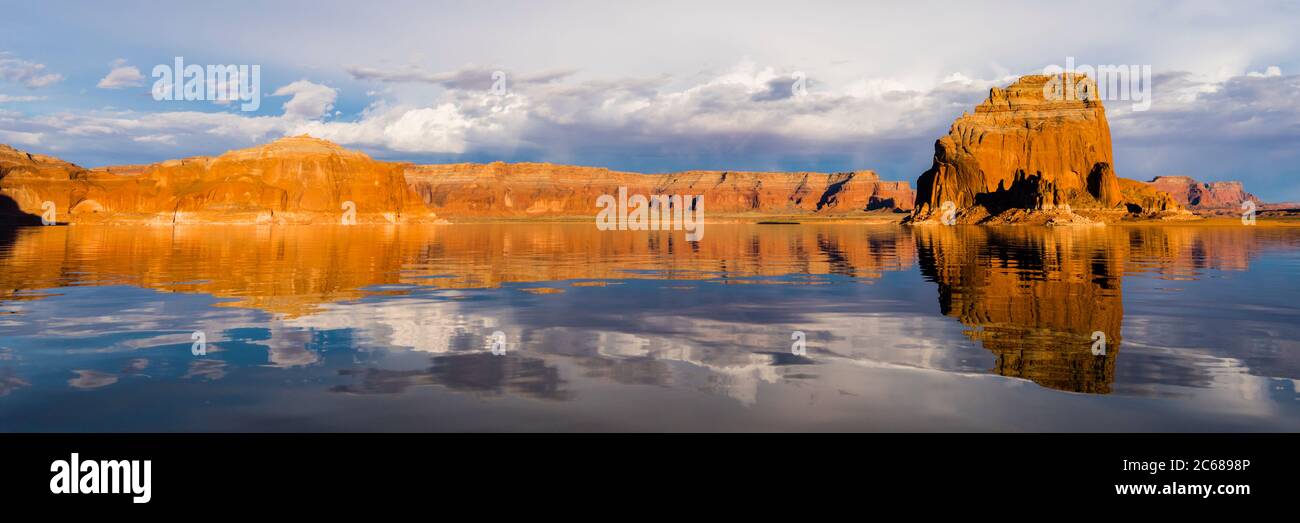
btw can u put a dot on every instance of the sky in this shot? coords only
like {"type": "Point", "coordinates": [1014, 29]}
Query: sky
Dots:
{"type": "Point", "coordinates": [649, 86]}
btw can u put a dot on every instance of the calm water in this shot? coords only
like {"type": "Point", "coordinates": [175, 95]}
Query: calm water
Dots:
{"type": "Point", "coordinates": [388, 328]}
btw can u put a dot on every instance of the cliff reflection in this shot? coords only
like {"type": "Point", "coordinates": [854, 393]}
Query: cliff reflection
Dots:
{"type": "Point", "coordinates": [292, 271]}
{"type": "Point", "coordinates": [1027, 300]}
{"type": "Point", "coordinates": [1034, 296]}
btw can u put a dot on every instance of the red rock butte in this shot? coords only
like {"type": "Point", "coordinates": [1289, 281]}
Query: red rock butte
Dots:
{"type": "Point", "coordinates": [1030, 154]}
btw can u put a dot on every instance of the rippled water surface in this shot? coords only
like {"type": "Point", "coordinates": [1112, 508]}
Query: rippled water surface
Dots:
{"type": "Point", "coordinates": [389, 328]}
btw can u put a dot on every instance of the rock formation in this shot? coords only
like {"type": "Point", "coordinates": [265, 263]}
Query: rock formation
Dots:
{"type": "Point", "coordinates": [548, 190]}
{"type": "Point", "coordinates": [1203, 196]}
{"type": "Point", "coordinates": [292, 180]}
{"type": "Point", "coordinates": [1140, 198]}
{"type": "Point", "coordinates": [307, 180]}
{"type": "Point", "coordinates": [29, 180]}
{"type": "Point", "coordinates": [1028, 155]}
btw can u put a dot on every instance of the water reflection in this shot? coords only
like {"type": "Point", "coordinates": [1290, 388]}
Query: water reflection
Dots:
{"type": "Point", "coordinates": [1034, 297]}
{"type": "Point", "coordinates": [599, 320]}
{"type": "Point", "coordinates": [478, 373]}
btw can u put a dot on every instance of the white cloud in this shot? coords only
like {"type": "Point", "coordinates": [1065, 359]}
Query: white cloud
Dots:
{"type": "Point", "coordinates": [1255, 106]}
{"type": "Point", "coordinates": [1272, 71]}
{"type": "Point", "coordinates": [30, 74]}
{"type": "Point", "coordinates": [121, 76]}
{"type": "Point", "coordinates": [166, 139]}
{"type": "Point", "coordinates": [4, 98]}
{"type": "Point", "coordinates": [20, 138]}
{"type": "Point", "coordinates": [741, 108]}
{"type": "Point", "coordinates": [473, 77]}
{"type": "Point", "coordinates": [308, 100]}
{"type": "Point", "coordinates": [172, 134]}
{"type": "Point", "coordinates": [743, 105]}
{"type": "Point", "coordinates": [439, 129]}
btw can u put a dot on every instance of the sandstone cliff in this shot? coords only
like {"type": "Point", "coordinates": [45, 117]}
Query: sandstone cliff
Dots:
{"type": "Point", "coordinates": [1026, 156]}
{"type": "Point", "coordinates": [292, 180]}
{"type": "Point", "coordinates": [1203, 196]}
{"type": "Point", "coordinates": [307, 180]}
{"type": "Point", "coordinates": [548, 190]}
{"type": "Point", "coordinates": [21, 173]}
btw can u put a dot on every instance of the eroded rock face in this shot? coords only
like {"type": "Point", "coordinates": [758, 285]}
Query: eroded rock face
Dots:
{"type": "Point", "coordinates": [307, 180]}
{"type": "Point", "coordinates": [1103, 185]}
{"type": "Point", "coordinates": [29, 180]}
{"type": "Point", "coordinates": [542, 189]}
{"type": "Point", "coordinates": [1203, 196]}
{"type": "Point", "coordinates": [1146, 199]}
{"type": "Point", "coordinates": [292, 180]}
{"type": "Point", "coordinates": [1024, 155]}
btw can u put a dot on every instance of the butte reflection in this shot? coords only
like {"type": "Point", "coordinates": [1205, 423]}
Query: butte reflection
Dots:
{"type": "Point", "coordinates": [1035, 296]}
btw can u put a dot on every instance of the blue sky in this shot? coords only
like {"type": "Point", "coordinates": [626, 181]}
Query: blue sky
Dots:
{"type": "Point", "coordinates": [652, 86]}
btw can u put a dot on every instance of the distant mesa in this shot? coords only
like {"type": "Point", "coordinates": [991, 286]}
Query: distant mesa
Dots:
{"type": "Point", "coordinates": [304, 180]}
{"type": "Point", "coordinates": [549, 190]}
{"type": "Point", "coordinates": [1025, 158]}
{"type": "Point", "coordinates": [1200, 196]}
{"type": "Point", "coordinates": [292, 180]}
{"type": "Point", "coordinates": [1226, 198]}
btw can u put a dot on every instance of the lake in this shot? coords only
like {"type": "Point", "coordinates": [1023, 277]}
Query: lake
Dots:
{"type": "Point", "coordinates": [562, 327]}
